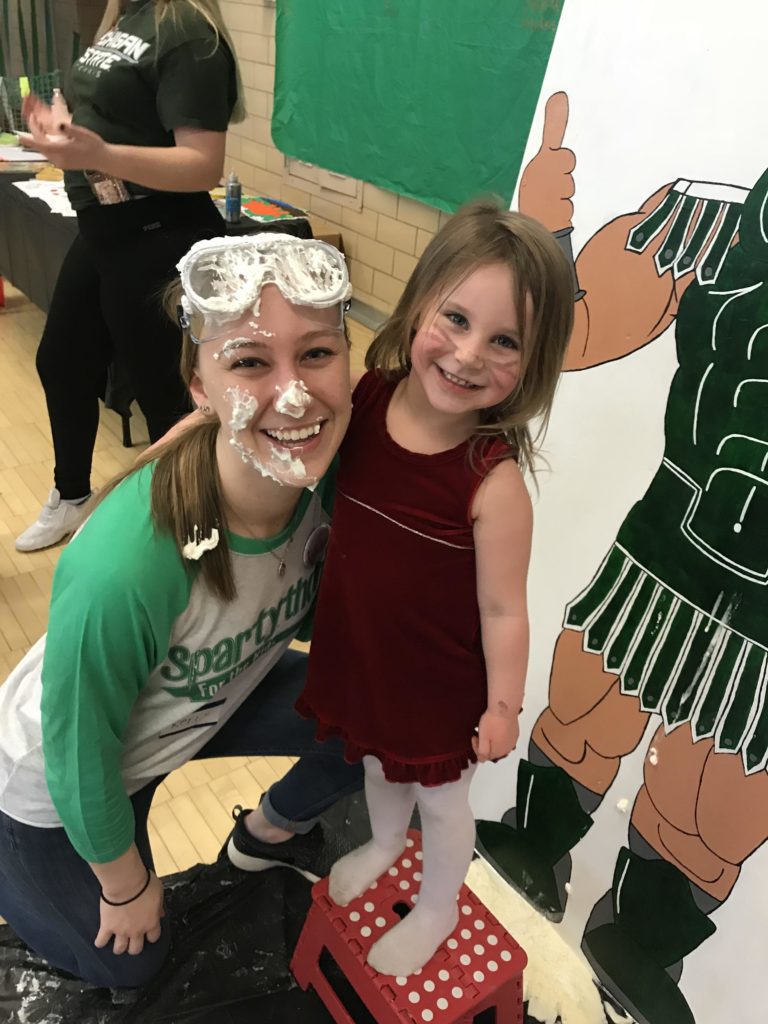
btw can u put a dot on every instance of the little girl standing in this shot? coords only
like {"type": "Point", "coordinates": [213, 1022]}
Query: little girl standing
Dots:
{"type": "Point", "coordinates": [421, 635]}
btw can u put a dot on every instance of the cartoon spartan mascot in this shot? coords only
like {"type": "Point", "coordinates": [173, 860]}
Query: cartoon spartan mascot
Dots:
{"type": "Point", "coordinates": [674, 623]}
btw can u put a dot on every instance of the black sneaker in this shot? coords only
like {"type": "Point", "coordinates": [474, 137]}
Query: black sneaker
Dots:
{"type": "Point", "coordinates": [312, 855]}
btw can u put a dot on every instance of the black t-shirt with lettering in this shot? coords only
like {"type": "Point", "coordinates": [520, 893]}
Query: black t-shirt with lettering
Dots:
{"type": "Point", "coordinates": [139, 82]}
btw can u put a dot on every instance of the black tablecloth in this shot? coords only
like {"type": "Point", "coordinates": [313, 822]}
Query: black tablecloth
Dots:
{"type": "Point", "coordinates": [34, 241]}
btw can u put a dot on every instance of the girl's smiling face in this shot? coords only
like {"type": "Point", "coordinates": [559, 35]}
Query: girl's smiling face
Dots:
{"type": "Point", "coordinates": [280, 385]}
{"type": "Point", "coordinates": [467, 351]}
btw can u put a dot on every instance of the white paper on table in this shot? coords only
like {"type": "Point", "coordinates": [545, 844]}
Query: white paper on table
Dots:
{"type": "Point", "coordinates": [51, 192]}
{"type": "Point", "coordinates": [19, 155]}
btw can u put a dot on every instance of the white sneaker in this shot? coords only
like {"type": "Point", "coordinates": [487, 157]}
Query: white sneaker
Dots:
{"type": "Point", "coordinates": [57, 520]}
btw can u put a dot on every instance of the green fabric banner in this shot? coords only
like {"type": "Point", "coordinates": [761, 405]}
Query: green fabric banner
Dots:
{"type": "Point", "coordinates": [432, 99]}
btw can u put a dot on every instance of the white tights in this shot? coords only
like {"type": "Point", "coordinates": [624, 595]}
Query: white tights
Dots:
{"type": "Point", "coordinates": [448, 836]}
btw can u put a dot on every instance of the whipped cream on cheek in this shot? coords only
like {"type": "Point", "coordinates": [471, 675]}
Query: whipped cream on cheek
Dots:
{"type": "Point", "coordinates": [294, 467]}
{"type": "Point", "coordinates": [292, 400]}
{"type": "Point", "coordinates": [244, 407]}
{"type": "Point", "coordinates": [283, 467]}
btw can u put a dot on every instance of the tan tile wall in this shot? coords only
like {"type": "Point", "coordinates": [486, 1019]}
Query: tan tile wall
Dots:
{"type": "Point", "coordinates": [384, 239]}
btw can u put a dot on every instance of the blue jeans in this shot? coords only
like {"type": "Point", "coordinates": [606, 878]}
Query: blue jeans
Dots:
{"type": "Point", "coordinates": [50, 896]}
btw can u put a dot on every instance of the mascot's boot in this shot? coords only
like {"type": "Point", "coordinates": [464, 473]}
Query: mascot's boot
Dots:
{"type": "Point", "coordinates": [530, 847]}
{"type": "Point", "coordinates": [639, 932]}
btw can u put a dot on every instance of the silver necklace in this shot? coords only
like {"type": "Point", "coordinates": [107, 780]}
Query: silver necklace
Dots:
{"type": "Point", "coordinates": [279, 558]}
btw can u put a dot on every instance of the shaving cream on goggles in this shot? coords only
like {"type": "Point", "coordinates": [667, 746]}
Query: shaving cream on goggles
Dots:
{"type": "Point", "coordinates": [222, 278]}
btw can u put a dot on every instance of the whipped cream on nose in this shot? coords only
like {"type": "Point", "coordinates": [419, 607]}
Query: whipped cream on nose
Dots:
{"type": "Point", "coordinates": [292, 400]}
{"type": "Point", "coordinates": [282, 466]}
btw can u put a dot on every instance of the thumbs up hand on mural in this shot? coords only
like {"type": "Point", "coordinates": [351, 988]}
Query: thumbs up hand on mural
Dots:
{"type": "Point", "coordinates": [547, 183]}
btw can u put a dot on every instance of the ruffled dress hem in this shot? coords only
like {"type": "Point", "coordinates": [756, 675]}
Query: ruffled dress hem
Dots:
{"type": "Point", "coordinates": [426, 773]}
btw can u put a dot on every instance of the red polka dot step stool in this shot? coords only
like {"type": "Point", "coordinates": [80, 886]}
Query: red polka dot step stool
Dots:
{"type": "Point", "coordinates": [478, 967]}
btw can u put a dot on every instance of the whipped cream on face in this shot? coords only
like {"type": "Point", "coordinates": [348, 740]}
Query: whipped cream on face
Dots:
{"type": "Point", "coordinates": [254, 325]}
{"type": "Point", "coordinates": [294, 468]}
{"type": "Point", "coordinates": [244, 407]}
{"type": "Point", "coordinates": [292, 400]}
{"type": "Point", "coordinates": [231, 346]}
{"type": "Point", "coordinates": [250, 458]}
{"type": "Point", "coordinates": [282, 466]}
{"type": "Point", "coordinates": [196, 546]}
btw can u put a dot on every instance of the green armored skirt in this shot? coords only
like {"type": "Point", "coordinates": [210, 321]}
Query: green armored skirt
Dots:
{"type": "Point", "coordinates": [683, 632]}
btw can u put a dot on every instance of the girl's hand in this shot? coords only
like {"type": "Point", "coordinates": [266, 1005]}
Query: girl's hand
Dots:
{"type": "Point", "coordinates": [136, 921]}
{"type": "Point", "coordinates": [498, 733]}
{"type": "Point", "coordinates": [72, 148]}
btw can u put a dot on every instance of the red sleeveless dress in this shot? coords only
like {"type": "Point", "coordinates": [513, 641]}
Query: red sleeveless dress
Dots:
{"type": "Point", "coordinates": [396, 667]}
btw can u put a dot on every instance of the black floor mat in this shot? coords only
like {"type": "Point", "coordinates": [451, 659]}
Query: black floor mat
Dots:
{"type": "Point", "coordinates": [233, 937]}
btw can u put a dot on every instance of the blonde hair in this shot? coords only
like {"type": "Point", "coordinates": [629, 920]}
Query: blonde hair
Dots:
{"type": "Point", "coordinates": [482, 234]}
{"type": "Point", "coordinates": [209, 9]}
{"type": "Point", "coordinates": [186, 494]}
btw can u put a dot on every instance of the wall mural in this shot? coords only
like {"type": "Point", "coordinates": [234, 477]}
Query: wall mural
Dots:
{"type": "Point", "coordinates": [662, 655]}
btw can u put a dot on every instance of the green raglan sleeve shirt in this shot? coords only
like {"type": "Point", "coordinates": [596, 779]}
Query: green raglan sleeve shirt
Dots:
{"type": "Point", "coordinates": [117, 590]}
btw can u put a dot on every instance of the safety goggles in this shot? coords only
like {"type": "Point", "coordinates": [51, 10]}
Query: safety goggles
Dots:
{"type": "Point", "coordinates": [222, 278]}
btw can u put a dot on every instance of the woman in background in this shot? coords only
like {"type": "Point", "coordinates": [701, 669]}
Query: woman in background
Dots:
{"type": "Point", "coordinates": [171, 615]}
{"type": "Point", "coordinates": [150, 103]}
